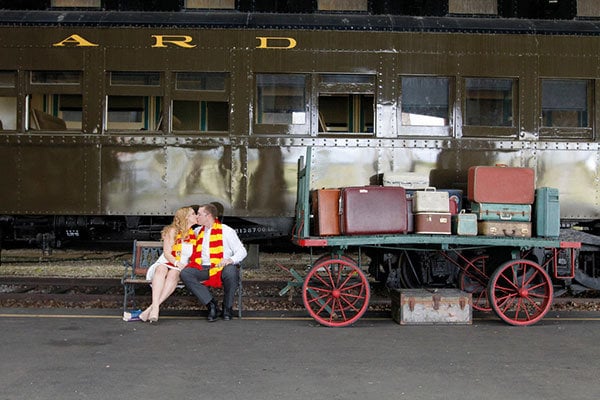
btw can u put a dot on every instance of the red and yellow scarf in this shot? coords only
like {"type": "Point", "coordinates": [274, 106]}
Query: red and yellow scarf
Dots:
{"type": "Point", "coordinates": [216, 254]}
{"type": "Point", "coordinates": [177, 246]}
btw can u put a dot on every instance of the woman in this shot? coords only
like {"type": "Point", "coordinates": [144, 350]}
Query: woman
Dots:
{"type": "Point", "coordinates": [178, 244]}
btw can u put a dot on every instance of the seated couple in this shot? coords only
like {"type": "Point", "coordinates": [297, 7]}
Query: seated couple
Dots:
{"type": "Point", "coordinates": [201, 251]}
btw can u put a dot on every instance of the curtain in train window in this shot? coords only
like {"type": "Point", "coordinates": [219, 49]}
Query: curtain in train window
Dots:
{"type": "Point", "coordinates": [489, 102]}
{"type": "Point", "coordinates": [55, 101]}
{"type": "Point", "coordinates": [281, 99]}
{"type": "Point", "coordinates": [134, 102]}
{"type": "Point", "coordinates": [346, 103]}
{"type": "Point", "coordinates": [8, 100]}
{"type": "Point", "coordinates": [425, 101]}
{"type": "Point", "coordinates": [565, 103]}
{"type": "Point", "coordinates": [200, 102]}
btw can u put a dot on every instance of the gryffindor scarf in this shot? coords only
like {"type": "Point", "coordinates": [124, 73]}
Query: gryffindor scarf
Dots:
{"type": "Point", "coordinates": [177, 246]}
{"type": "Point", "coordinates": [216, 254]}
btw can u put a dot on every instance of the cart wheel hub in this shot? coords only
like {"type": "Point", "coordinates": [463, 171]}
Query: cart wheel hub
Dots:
{"type": "Point", "coordinates": [336, 293]}
{"type": "Point", "coordinates": [523, 292]}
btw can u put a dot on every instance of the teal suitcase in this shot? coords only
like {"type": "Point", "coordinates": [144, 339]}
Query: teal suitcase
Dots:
{"type": "Point", "coordinates": [464, 224]}
{"type": "Point", "coordinates": [502, 212]}
{"type": "Point", "coordinates": [547, 212]}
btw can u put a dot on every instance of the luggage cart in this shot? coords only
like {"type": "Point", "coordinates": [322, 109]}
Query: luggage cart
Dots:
{"type": "Point", "coordinates": [336, 291]}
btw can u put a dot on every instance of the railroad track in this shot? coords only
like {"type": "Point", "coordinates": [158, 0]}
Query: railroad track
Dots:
{"type": "Point", "coordinates": [259, 295]}
{"type": "Point", "coordinates": [48, 292]}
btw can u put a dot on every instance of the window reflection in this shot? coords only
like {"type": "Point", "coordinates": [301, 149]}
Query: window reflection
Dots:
{"type": "Point", "coordinates": [565, 103]}
{"type": "Point", "coordinates": [425, 101]}
{"type": "Point", "coordinates": [281, 99]}
{"type": "Point", "coordinates": [489, 102]}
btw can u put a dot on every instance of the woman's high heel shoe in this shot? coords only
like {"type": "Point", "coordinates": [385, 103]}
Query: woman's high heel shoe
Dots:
{"type": "Point", "coordinates": [145, 314]}
{"type": "Point", "coordinates": [153, 314]}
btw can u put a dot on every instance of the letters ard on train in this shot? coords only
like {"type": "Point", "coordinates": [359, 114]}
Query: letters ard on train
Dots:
{"type": "Point", "coordinates": [183, 41]}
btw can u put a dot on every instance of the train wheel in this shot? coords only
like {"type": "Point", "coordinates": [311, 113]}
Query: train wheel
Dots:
{"type": "Point", "coordinates": [336, 292]}
{"type": "Point", "coordinates": [474, 279]}
{"type": "Point", "coordinates": [520, 292]}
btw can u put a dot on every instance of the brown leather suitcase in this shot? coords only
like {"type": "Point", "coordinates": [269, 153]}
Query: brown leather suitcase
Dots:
{"type": "Point", "coordinates": [326, 211]}
{"type": "Point", "coordinates": [433, 223]}
{"type": "Point", "coordinates": [504, 228]}
{"type": "Point", "coordinates": [501, 184]}
{"type": "Point", "coordinates": [370, 210]}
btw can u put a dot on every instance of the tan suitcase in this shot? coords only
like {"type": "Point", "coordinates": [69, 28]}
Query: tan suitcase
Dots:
{"type": "Point", "coordinates": [504, 228]}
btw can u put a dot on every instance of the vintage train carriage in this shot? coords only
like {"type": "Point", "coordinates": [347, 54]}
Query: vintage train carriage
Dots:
{"type": "Point", "coordinates": [111, 120]}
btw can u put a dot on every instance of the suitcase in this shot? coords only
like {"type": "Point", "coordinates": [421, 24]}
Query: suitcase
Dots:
{"type": "Point", "coordinates": [455, 199]}
{"type": "Point", "coordinates": [326, 211]}
{"type": "Point", "coordinates": [430, 200]}
{"type": "Point", "coordinates": [407, 180]}
{"type": "Point", "coordinates": [425, 307]}
{"type": "Point", "coordinates": [464, 224]}
{"type": "Point", "coordinates": [502, 212]}
{"type": "Point", "coordinates": [370, 210]}
{"type": "Point", "coordinates": [547, 212]}
{"type": "Point", "coordinates": [433, 223]}
{"type": "Point", "coordinates": [410, 217]}
{"type": "Point", "coordinates": [504, 228]}
{"type": "Point", "coordinates": [500, 184]}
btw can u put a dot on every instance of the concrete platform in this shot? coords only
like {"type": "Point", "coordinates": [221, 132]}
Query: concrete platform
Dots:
{"type": "Point", "coordinates": [93, 354]}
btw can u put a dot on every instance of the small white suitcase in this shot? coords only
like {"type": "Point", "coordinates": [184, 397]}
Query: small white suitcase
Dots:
{"type": "Point", "coordinates": [431, 201]}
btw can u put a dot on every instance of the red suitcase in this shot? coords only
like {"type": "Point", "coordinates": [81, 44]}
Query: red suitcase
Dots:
{"type": "Point", "coordinates": [370, 210]}
{"type": "Point", "coordinates": [433, 223]}
{"type": "Point", "coordinates": [501, 184]}
{"type": "Point", "coordinates": [326, 211]}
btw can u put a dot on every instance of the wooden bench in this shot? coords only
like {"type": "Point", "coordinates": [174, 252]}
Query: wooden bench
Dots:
{"type": "Point", "coordinates": [145, 253]}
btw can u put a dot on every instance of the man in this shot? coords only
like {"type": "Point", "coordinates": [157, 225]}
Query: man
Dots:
{"type": "Point", "coordinates": [213, 263]}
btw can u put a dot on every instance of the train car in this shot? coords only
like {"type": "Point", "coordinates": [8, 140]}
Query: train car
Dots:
{"type": "Point", "coordinates": [110, 120]}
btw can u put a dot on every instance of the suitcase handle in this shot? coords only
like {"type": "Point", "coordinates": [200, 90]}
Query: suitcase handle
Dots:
{"type": "Point", "coordinates": [514, 232]}
{"type": "Point", "coordinates": [505, 216]}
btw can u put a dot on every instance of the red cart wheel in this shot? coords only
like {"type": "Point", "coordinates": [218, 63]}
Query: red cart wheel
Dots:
{"type": "Point", "coordinates": [336, 292]}
{"type": "Point", "coordinates": [474, 279]}
{"type": "Point", "coordinates": [520, 292]}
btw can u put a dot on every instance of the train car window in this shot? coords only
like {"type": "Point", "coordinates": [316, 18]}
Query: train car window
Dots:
{"type": "Point", "coordinates": [55, 100]}
{"type": "Point", "coordinates": [138, 113]}
{"type": "Point", "coordinates": [424, 101]}
{"type": "Point", "coordinates": [135, 78]}
{"type": "Point", "coordinates": [205, 81]}
{"type": "Point", "coordinates": [281, 99]}
{"type": "Point", "coordinates": [565, 103]}
{"type": "Point", "coordinates": [210, 4]}
{"type": "Point", "coordinates": [346, 103]}
{"type": "Point", "coordinates": [56, 77]}
{"type": "Point", "coordinates": [200, 102]}
{"type": "Point", "coordinates": [8, 113]}
{"type": "Point", "coordinates": [134, 101]}
{"type": "Point", "coordinates": [76, 4]}
{"type": "Point", "coordinates": [8, 79]}
{"type": "Point", "coordinates": [489, 102]}
{"type": "Point", "coordinates": [200, 116]}
{"type": "Point", "coordinates": [8, 101]}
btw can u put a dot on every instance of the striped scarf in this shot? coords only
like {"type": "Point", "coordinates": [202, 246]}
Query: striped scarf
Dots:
{"type": "Point", "coordinates": [177, 246]}
{"type": "Point", "coordinates": [216, 254]}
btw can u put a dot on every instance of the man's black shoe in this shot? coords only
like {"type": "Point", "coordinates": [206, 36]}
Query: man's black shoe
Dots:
{"type": "Point", "coordinates": [213, 311]}
{"type": "Point", "coordinates": [227, 314]}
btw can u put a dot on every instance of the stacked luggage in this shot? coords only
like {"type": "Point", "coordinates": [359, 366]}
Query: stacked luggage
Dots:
{"type": "Point", "coordinates": [431, 210]}
{"type": "Point", "coordinates": [501, 197]}
{"type": "Point", "coordinates": [503, 202]}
